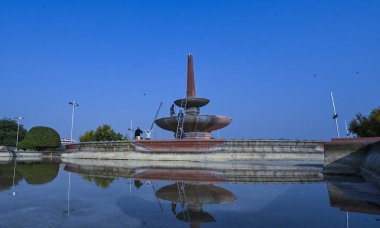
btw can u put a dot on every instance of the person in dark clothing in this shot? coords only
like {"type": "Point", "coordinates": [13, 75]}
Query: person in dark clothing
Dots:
{"type": "Point", "coordinates": [180, 114]}
{"type": "Point", "coordinates": [138, 133]}
{"type": "Point", "coordinates": [172, 112]}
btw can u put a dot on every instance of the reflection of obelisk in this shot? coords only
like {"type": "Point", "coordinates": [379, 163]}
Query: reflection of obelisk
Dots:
{"type": "Point", "coordinates": [195, 126]}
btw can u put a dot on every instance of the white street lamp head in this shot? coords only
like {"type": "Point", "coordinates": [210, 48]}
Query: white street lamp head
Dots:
{"type": "Point", "coordinates": [19, 118]}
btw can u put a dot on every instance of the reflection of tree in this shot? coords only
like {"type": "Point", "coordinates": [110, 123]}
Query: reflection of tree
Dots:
{"type": "Point", "coordinates": [103, 182]}
{"type": "Point", "coordinates": [6, 176]}
{"type": "Point", "coordinates": [38, 173]}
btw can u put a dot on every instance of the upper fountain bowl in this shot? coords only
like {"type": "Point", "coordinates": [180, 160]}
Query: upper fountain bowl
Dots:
{"type": "Point", "coordinates": [192, 102]}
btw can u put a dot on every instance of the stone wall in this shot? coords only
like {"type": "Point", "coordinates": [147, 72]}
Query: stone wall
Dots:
{"type": "Point", "coordinates": [231, 150]}
{"type": "Point", "coordinates": [345, 156]}
{"type": "Point", "coordinates": [113, 146]}
{"type": "Point", "coordinates": [370, 168]}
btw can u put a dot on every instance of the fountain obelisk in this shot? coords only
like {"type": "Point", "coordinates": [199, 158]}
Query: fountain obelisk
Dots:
{"type": "Point", "coordinates": [190, 77]}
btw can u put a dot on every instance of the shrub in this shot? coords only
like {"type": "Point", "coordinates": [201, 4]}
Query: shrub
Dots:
{"type": "Point", "coordinates": [40, 138]}
{"type": "Point", "coordinates": [26, 144]}
{"type": "Point", "coordinates": [102, 133]}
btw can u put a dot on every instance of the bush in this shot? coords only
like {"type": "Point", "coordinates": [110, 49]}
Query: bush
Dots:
{"type": "Point", "coordinates": [26, 144]}
{"type": "Point", "coordinates": [40, 138]}
{"type": "Point", "coordinates": [102, 133]}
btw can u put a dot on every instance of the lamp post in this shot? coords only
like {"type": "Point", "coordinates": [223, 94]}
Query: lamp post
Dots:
{"type": "Point", "coordinates": [18, 129]}
{"type": "Point", "coordinates": [74, 104]}
{"type": "Point", "coordinates": [335, 115]}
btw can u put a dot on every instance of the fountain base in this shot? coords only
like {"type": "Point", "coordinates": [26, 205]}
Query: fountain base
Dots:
{"type": "Point", "coordinates": [197, 135]}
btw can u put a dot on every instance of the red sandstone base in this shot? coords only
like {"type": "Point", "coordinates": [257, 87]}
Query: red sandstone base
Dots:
{"type": "Point", "coordinates": [178, 145]}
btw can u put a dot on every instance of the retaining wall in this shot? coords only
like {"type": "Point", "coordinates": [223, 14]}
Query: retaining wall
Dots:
{"type": "Point", "coordinates": [346, 156]}
{"type": "Point", "coordinates": [370, 168]}
{"type": "Point", "coordinates": [230, 150]}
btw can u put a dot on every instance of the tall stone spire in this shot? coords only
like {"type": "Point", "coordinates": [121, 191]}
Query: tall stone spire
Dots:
{"type": "Point", "coordinates": [190, 77]}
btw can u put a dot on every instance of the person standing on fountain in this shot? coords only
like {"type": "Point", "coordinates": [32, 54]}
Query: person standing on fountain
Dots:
{"type": "Point", "coordinates": [172, 112]}
{"type": "Point", "coordinates": [181, 133]}
{"type": "Point", "coordinates": [138, 133]}
{"type": "Point", "coordinates": [148, 134]}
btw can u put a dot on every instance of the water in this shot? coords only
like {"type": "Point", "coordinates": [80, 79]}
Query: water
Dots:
{"type": "Point", "coordinates": [132, 194]}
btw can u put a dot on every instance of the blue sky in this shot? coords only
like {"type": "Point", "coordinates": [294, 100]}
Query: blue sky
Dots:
{"type": "Point", "coordinates": [270, 65]}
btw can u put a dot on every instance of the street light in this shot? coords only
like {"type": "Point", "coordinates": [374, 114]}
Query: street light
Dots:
{"type": "Point", "coordinates": [74, 104]}
{"type": "Point", "coordinates": [18, 128]}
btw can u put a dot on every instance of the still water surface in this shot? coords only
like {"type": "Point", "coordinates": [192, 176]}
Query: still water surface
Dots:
{"type": "Point", "coordinates": [52, 194]}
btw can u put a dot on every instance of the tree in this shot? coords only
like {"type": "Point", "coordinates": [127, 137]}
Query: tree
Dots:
{"type": "Point", "coordinates": [8, 132]}
{"type": "Point", "coordinates": [40, 138]}
{"type": "Point", "coordinates": [88, 136]}
{"type": "Point", "coordinates": [102, 133]}
{"type": "Point", "coordinates": [366, 126]}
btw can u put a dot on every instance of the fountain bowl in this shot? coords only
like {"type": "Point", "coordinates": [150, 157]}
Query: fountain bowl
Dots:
{"type": "Point", "coordinates": [192, 102]}
{"type": "Point", "coordinates": [195, 126]}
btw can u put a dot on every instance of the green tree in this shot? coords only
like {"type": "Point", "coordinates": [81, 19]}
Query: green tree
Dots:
{"type": "Point", "coordinates": [40, 138]}
{"type": "Point", "coordinates": [8, 132]}
{"type": "Point", "coordinates": [88, 136]}
{"type": "Point", "coordinates": [102, 133]}
{"type": "Point", "coordinates": [366, 126]}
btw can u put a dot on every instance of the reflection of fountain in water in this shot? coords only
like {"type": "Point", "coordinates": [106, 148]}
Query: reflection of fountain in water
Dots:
{"type": "Point", "coordinates": [191, 197]}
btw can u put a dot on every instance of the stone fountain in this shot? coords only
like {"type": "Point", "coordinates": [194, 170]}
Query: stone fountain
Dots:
{"type": "Point", "coordinates": [195, 126]}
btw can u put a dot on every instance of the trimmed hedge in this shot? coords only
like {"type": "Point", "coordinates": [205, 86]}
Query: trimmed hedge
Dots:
{"type": "Point", "coordinates": [40, 138]}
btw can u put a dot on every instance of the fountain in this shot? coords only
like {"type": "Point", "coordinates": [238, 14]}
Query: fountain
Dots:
{"type": "Point", "coordinates": [194, 125]}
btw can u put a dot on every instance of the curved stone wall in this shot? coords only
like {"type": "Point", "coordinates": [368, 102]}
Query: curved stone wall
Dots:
{"type": "Point", "coordinates": [371, 165]}
{"type": "Point", "coordinates": [231, 150]}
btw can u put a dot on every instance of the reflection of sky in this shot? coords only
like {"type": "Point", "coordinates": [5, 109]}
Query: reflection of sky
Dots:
{"type": "Point", "coordinates": [45, 205]}
{"type": "Point", "coordinates": [285, 205]}
{"type": "Point", "coordinates": [261, 205]}
{"type": "Point", "coordinates": [259, 196]}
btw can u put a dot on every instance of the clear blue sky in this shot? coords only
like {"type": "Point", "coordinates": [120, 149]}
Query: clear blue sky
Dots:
{"type": "Point", "coordinates": [270, 65]}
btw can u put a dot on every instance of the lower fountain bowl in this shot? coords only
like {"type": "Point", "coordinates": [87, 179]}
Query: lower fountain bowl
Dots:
{"type": "Point", "coordinates": [195, 126]}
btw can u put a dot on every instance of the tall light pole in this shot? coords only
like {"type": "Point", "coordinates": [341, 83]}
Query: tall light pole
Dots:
{"type": "Point", "coordinates": [74, 104]}
{"type": "Point", "coordinates": [18, 128]}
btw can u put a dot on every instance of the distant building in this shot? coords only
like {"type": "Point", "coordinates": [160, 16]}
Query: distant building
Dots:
{"type": "Point", "coordinates": [66, 141]}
